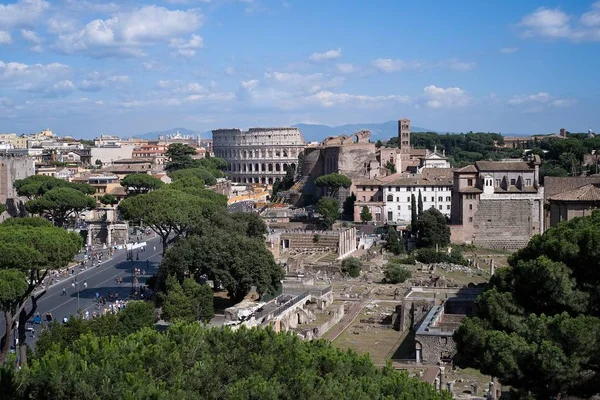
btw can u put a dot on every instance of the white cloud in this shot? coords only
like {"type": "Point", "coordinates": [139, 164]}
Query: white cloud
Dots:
{"type": "Point", "coordinates": [96, 81]}
{"type": "Point", "coordinates": [329, 99]}
{"type": "Point", "coordinates": [451, 97]}
{"type": "Point", "coordinates": [328, 55]}
{"type": "Point", "coordinates": [126, 33]}
{"type": "Point", "coordinates": [181, 87]}
{"type": "Point", "coordinates": [16, 73]}
{"type": "Point", "coordinates": [540, 99]}
{"type": "Point", "coordinates": [61, 24]}
{"type": "Point", "coordinates": [22, 13]}
{"type": "Point", "coordinates": [556, 24]}
{"type": "Point", "coordinates": [230, 71]}
{"type": "Point", "coordinates": [508, 50]}
{"type": "Point", "coordinates": [5, 37]}
{"type": "Point", "coordinates": [250, 85]}
{"type": "Point", "coordinates": [346, 68]}
{"type": "Point", "coordinates": [458, 65]}
{"type": "Point", "coordinates": [30, 36]}
{"type": "Point", "coordinates": [302, 83]}
{"type": "Point", "coordinates": [187, 48]}
{"type": "Point", "coordinates": [389, 65]}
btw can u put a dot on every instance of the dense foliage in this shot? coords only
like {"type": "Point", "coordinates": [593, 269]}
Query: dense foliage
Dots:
{"type": "Point", "coordinates": [140, 183]}
{"type": "Point", "coordinates": [432, 229]}
{"type": "Point", "coordinates": [30, 248]}
{"type": "Point", "coordinates": [60, 204]}
{"type": "Point", "coordinates": [180, 159]}
{"type": "Point", "coordinates": [332, 183]}
{"type": "Point", "coordinates": [188, 302]}
{"type": "Point", "coordinates": [538, 325]}
{"type": "Point", "coordinates": [58, 336]}
{"type": "Point", "coordinates": [329, 208]}
{"type": "Point", "coordinates": [351, 266]}
{"type": "Point", "coordinates": [37, 185]}
{"type": "Point", "coordinates": [431, 256]}
{"type": "Point", "coordinates": [365, 214]}
{"type": "Point", "coordinates": [191, 362]}
{"type": "Point", "coordinates": [395, 273]}
{"type": "Point", "coordinates": [394, 244]}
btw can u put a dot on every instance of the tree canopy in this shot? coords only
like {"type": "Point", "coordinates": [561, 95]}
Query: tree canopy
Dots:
{"type": "Point", "coordinates": [190, 362]}
{"type": "Point", "coordinates": [329, 208]}
{"type": "Point", "coordinates": [37, 185]}
{"type": "Point", "coordinates": [199, 172]}
{"type": "Point", "coordinates": [432, 229]}
{"type": "Point", "coordinates": [30, 248]}
{"type": "Point", "coordinates": [170, 213]}
{"type": "Point", "coordinates": [140, 183]}
{"type": "Point", "coordinates": [108, 199]}
{"type": "Point", "coordinates": [180, 157]}
{"type": "Point", "coordinates": [394, 242]}
{"type": "Point", "coordinates": [230, 259]}
{"type": "Point", "coordinates": [351, 266]}
{"type": "Point", "coordinates": [188, 302]}
{"type": "Point", "coordinates": [333, 182]}
{"type": "Point", "coordinates": [365, 214]}
{"type": "Point", "coordinates": [538, 325]}
{"type": "Point", "coordinates": [60, 203]}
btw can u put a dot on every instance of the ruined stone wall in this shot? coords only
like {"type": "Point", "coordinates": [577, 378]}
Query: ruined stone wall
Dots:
{"type": "Point", "coordinates": [12, 169]}
{"type": "Point", "coordinates": [435, 347]}
{"type": "Point", "coordinates": [506, 224]}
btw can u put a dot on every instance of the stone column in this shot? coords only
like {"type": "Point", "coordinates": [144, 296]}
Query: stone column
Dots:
{"type": "Point", "coordinates": [108, 235]}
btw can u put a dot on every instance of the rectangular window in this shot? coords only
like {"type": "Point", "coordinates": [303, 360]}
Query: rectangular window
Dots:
{"type": "Point", "coordinates": [440, 198]}
{"type": "Point", "coordinates": [448, 207]}
{"type": "Point", "coordinates": [448, 198]}
{"type": "Point", "coordinates": [408, 199]}
{"type": "Point", "coordinates": [363, 198]}
{"type": "Point", "coordinates": [409, 206]}
{"type": "Point", "coordinates": [470, 219]}
{"type": "Point", "coordinates": [440, 207]}
{"type": "Point", "coordinates": [497, 182]}
{"type": "Point", "coordinates": [432, 198]}
{"type": "Point", "coordinates": [398, 199]}
{"type": "Point", "coordinates": [408, 189]}
{"type": "Point", "coordinates": [399, 208]}
{"type": "Point", "coordinates": [470, 206]}
{"type": "Point", "coordinates": [397, 188]}
{"type": "Point", "coordinates": [528, 182]}
{"type": "Point", "coordinates": [469, 182]}
{"type": "Point", "coordinates": [513, 182]}
{"type": "Point", "coordinates": [390, 216]}
{"type": "Point", "coordinates": [390, 188]}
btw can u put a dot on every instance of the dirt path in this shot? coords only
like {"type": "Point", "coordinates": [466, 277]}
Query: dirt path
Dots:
{"type": "Point", "coordinates": [348, 318]}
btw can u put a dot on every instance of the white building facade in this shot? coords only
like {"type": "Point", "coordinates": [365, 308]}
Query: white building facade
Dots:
{"type": "Point", "coordinates": [397, 199]}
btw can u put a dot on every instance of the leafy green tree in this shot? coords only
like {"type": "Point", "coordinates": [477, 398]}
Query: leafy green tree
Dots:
{"type": "Point", "coordinates": [333, 182]}
{"type": "Point", "coordinates": [30, 250]}
{"type": "Point", "coordinates": [413, 213]}
{"type": "Point", "coordinates": [201, 300]}
{"type": "Point", "coordinates": [186, 182]}
{"type": "Point", "coordinates": [538, 322]}
{"type": "Point", "coordinates": [329, 208]}
{"type": "Point", "coordinates": [365, 214]}
{"type": "Point", "coordinates": [136, 316]}
{"type": "Point", "coordinates": [394, 243]}
{"type": "Point", "coordinates": [433, 229]}
{"type": "Point", "coordinates": [351, 266]}
{"type": "Point", "coordinates": [378, 144]}
{"type": "Point", "coordinates": [420, 205]}
{"type": "Point", "coordinates": [176, 305]}
{"type": "Point", "coordinates": [251, 224]}
{"type": "Point", "coordinates": [108, 199]}
{"type": "Point", "coordinates": [180, 157]}
{"type": "Point", "coordinates": [391, 167]}
{"type": "Point", "coordinates": [200, 172]}
{"type": "Point", "coordinates": [348, 206]}
{"type": "Point", "coordinates": [98, 163]}
{"type": "Point", "coordinates": [37, 185]}
{"type": "Point", "coordinates": [140, 183]}
{"type": "Point", "coordinates": [60, 203]}
{"type": "Point", "coordinates": [236, 262]}
{"type": "Point", "coordinates": [395, 273]}
{"type": "Point", "coordinates": [191, 362]}
{"type": "Point", "coordinates": [169, 213]}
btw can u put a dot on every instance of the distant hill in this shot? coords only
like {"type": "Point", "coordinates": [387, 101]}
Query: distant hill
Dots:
{"type": "Point", "coordinates": [383, 131]}
{"type": "Point", "coordinates": [310, 132]}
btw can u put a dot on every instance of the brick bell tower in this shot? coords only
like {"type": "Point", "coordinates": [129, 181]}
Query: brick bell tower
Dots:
{"type": "Point", "coordinates": [404, 139]}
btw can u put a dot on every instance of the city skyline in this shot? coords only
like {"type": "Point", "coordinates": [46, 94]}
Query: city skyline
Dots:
{"type": "Point", "coordinates": [85, 68]}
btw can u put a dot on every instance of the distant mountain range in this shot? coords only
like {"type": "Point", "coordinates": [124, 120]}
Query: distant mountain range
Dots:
{"type": "Point", "coordinates": [310, 132]}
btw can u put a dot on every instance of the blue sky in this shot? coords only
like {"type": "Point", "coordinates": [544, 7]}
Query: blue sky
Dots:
{"type": "Point", "coordinates": [86, 67]}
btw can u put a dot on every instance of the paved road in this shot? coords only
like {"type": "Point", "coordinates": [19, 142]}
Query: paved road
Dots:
{"type": "Point", "coordinates": [100, 279]}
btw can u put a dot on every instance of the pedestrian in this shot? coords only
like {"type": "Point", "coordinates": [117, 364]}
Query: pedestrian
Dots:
{"type": "Point", "coordinates": [97, 296]}
{"type": "Point", "coordinates": [85, 284]}
{"type": "Point", "coordinates": [64, 292]}
{"type": "Point", "coordinates": [65, 320]}
{"type": "Point", "coordinates": [154, 248]}
{"type": "Point", "coordinates": [87, 314]}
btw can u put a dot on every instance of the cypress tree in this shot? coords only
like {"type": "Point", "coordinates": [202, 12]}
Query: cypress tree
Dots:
{"type": "Point", "coordinates": [413, 213]}
{"type": "Point", "coordinates": [420, 205]}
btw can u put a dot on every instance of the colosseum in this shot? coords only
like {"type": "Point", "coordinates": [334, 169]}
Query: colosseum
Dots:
{"type": "Point", "coordinates": [259, 155]}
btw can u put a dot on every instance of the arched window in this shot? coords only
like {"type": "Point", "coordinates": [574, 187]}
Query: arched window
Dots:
{"type": "Point", "coordinates": [390, 197]}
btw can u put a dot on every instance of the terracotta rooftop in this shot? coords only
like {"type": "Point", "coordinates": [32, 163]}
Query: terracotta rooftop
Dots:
{"type": "Point", "coordinates": [554, 185]}
{"type": "Point", "coordinates": [589, 192]}
{"type": "Point", "coordinates": [502, 166]}
{"type": "Point", "coordinates": [470, 189]}
{"type": "Point", "coordinates": [418, 152]}
{"type": "Point", "coordinates": [468, 168]}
